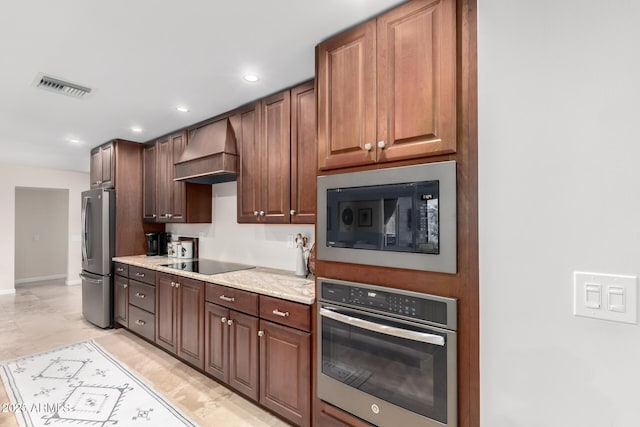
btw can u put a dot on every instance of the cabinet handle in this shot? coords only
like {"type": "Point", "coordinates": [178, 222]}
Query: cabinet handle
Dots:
{"type": "Point", "coordinates": [226, 298]}
{"type": "Point", "coordinates": [139, 295]}
{"type": "Point", "coordinates": [381, 144]}
{"type": "Point", "coordinates": [260, 333]}
{"type": "Point", "coordinates": [292, 212]}
{"type": "Point", "coordinates": [255, 213]}
{"type": "Point", "coordinates": [281, 313]}
{"type": "Point", "coordinates": [173, 284]}
{"type": "Point", "coordinates": [154, 215]}
{"type": "Point", "coordinates": [261, 213]}
{"type": "Point", "coordinates": [223, 320]}
{"type": "Point", "coordinates": [119, 270]}
{"type": "Point", "coordinates": [125, 286]}
{"type": "Point", "coordinates": [368, 146]}
{"type": "Point", "coordinates": [229, 322]}
{"type": "Point", "coordinates": [169, 215]}
{"type": "Point", "coordinates": [139, 274]}
{"type": "Point", "coordinates": [141, 322]}
{"type": "Point", "coordinates": [177, 285]}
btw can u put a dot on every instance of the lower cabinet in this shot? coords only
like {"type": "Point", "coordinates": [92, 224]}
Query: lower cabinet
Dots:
{"type": "Point", "coordinates": [180, 317]}
{"type": "Point", "coordinates": [121, 300]}
{"type": "Point", "coordinates": [231, 348]}
{"type": "Point", "coordinates": [285, 372]}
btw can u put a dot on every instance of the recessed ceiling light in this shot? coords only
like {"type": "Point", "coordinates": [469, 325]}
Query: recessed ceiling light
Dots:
{"type": "Point", "coordinates": [74, 141]}
{"type": "Point", "coordinates": [136, 129]}
{"type": "Point", "coordinates": [251, 78]}
{"type": "Point", "coordinates": [182, 109]}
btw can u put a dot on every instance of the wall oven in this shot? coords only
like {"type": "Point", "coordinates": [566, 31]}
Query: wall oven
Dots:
{"type": "Point", "coordinates": [403, 217]}
{"type": "Point", "coordinates": [387, 356]}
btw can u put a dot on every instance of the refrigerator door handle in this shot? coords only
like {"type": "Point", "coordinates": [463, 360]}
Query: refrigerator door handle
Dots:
{"type": "Point", "coordinates": [89, 279]}
{"type": "Point", "coordinates": [85, 231]}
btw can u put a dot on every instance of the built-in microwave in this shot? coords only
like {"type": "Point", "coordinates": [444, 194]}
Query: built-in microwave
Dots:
{"type": "Point", "coordinates": [402, 217]}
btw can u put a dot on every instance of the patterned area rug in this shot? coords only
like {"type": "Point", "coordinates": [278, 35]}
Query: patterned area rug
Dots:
{"type": "Point", "coordinates": [83, 385]}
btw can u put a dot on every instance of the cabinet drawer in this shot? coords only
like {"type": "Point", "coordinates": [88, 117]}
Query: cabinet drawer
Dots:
{"type": "Point", "coordinates": [236, 299]}
{"type": "Point", "coordinates": [142, 274]}
{"type": "Point", "coordinates": [142, 322]}
{"type": "Point", "coordinates": [286, 312]}
{"type": "Point", "coordinates": [121, 269]}
{"type": "Point", "coordinates": [142, 295]}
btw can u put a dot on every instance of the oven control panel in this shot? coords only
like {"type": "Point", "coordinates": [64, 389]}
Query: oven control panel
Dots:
{"type": "Point", "coordinates": [421, 307]}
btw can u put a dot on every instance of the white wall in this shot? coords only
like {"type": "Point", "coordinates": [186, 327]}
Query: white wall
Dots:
{"type": "Point", "coordinates": [12, 176]}
{"type": "Point", "coordinates": [559, 190]}
{"type": "Point", "coordinates": [41, 233]}
{"type": "Point", "coordinates": [254, 244]}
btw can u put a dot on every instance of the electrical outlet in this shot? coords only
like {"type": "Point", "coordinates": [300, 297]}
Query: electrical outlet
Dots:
{"type": "Point", "coordinates": [605, 296]}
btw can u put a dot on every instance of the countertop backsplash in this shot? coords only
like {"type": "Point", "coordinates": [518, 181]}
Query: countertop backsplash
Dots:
{"type": "Point", "coordinates": [263, 245]}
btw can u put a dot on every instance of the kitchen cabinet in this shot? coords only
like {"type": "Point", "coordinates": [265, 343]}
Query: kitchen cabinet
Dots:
{"type": "Point", "coordinates": [231, 343]}
{"type": "Point", "coordinates": [121, 300]}
{"type": "Point", "coordinates": [387, 88]}
{"type": "Point", "coordinates": [180, 317]}
{"type": "Point", "coordinates": [276, 139]}
{"type": "Point", "coordinates": [303, 154]}
{"type": "Point", "coordinates": [285, 346]}
{"type": "Point", "coordinates": [102, 165]}
{"type": "Point", "coordinates": [166, 200]}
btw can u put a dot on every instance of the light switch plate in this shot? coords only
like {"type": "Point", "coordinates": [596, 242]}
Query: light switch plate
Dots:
{"type": "Point", "coordinates": [605, 296]}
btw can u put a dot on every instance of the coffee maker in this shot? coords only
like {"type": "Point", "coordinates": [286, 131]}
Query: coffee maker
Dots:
{"type": "Point", "coordinates": [157, 243]}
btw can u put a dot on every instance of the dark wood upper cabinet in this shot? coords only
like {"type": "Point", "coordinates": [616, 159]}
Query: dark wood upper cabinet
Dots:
{"type": "Point", "coordinates": [166, 200]}
{"type": "Point", "coordinates": [102, 166]}
{"type": "Point", "coordinates": [346, 74]}
{"type": "Point", "coordinates": [303, 154]}
{"type": "Point", "coordinates": [277, 146]}
{"type": "Point", "coordinates": [149, 204]}
{"type": "Point", "coordinates": [387, 88]}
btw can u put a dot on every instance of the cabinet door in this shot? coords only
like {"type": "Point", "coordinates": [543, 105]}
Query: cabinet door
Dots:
{"type": "Point", "coordinates": [149, 208]}
{"type": "Point", "coordinates": [178, 199]}
{"type": "Point", "coordinates": [246, 123]}
{"type": "Point", "coordinates": [346, 73]}
{"type": "Point", "coordinates": [166, 312]}
{"type": "Point", "coordinates": [121, 303]}
{"type": "Point", "coordinates": [275, 155]}
{"type": "Point", "coordinates": [95, 168]}
{"type": "Point", "coordinates": [284, 349]}
{"type": "Point", "coordinates": [417, 80]}
{"type": "Point", "coordinates": [163, 179]}
{"type": "Point", "coordinates": [216, 341]}
{"type": "Point", "coordinates": [243, 354]}
{"type": "Point", "coordinates": [303, 154]}
{"type": "Point", "coordinates": [108, 165]}
{"type": "Point", "coordinates": [190, 323]}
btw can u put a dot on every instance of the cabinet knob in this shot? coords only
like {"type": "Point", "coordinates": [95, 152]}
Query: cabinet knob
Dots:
{"type": "Point", "coordinates": [255, 213]}
{"type": "Point", "coordinates": [292, 212]}
{"type": "Point", "coordinates": [169, 215]}
{"type": "Point", "coordinates": [223, 320]}
{"type": "Point", "coordinates": [368, 146]}
{"type": "Point", "coordinates": [139, 295]}
{"type": "Point", "coordinates": [381, 144]}
{"type": "Point", "coordinates": [125, 286]}
{"type": "Point", "coordinates": [229, 322]}
{"type": "Point", "coordinates": [177, 285]}
{"type": "Point", "coordinates": [119, 270]}
{"type": "Point", "coordinates": [141, 322]}
{"type": "Point", "coordinates": [260, 333]}
{"type": "Point", "coordinates": [261, 213]}
{"type": "Point", "coordinates": [154, 215]}
{"type": "Point", "coordinates": [173, 284]}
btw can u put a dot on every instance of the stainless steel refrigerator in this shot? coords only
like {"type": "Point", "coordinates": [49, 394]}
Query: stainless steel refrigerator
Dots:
{"type": "Point", "coordinates": [98, 248]}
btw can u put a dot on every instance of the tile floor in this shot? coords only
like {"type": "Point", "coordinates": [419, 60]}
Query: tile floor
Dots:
{"type": "Point", "coordinates": [41, 316]}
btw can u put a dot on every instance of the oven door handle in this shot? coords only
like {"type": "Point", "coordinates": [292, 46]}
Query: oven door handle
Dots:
{"type": "Point", "coordinates": [383, 329]}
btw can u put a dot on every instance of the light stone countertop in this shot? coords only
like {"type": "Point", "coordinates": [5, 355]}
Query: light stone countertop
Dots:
{"type": "Point", "coordinates": [266, 281]}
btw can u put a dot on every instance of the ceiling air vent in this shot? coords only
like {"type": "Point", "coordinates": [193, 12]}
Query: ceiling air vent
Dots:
{"type": "Point", "coordinates": [62, 87]}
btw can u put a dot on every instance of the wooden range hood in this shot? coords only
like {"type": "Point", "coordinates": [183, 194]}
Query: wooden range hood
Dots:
{"type": "Point", "coordinates": [211, 156]}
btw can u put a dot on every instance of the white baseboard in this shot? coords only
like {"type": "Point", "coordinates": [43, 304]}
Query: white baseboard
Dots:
{"type": "Point", "coordinates": [72, 282]}
{"type": "Point", "coordinates": [41, 278]}
{"type": "Point", "coordinates": [7, 291]}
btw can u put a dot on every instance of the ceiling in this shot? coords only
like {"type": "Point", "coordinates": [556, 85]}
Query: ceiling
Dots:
{"type": "Point", "coordinates": [142, 59]}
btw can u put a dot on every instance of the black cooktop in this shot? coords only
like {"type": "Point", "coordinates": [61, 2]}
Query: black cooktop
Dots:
{"type": "Point", "coordinates": [206, 266]}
